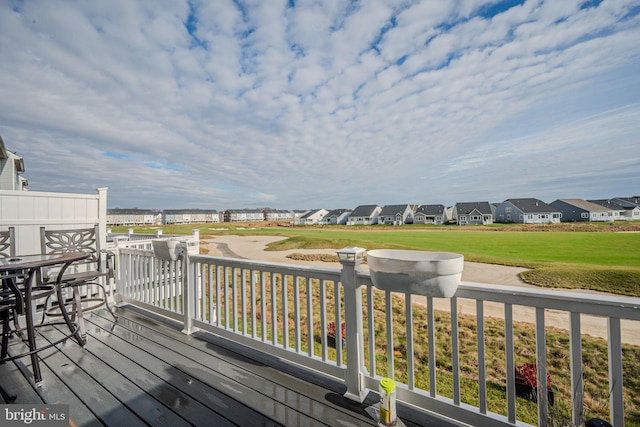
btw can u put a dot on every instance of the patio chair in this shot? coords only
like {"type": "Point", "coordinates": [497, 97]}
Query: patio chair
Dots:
{"type": "Point", "coordinates": [7, 307]}
{"type": "Point", "coordinates": [82, 277]}
{"type": "Point", "coordinates": [8, 304]}
{"type": "Point", "coordinates": [11, 303]}
{"type": "Point", "coordinates": [7, 243]}
{"type": "Point", "coordinates": [10, 300]}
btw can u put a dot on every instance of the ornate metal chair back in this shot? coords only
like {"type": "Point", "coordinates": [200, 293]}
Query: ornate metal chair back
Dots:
{"type": "Point", "coordinates": [74, 240]}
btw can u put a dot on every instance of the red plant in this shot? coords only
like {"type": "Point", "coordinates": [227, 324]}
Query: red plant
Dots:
{"type": "Point", "coordinates": [331, 330]}
{"type": "Point", "coordinates": [528, 374]}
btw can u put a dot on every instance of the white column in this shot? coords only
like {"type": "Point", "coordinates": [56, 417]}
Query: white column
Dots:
{"type": "Point", "coordinates": [102, 215]}
{"type": "Point", "coordinates": [188, 290]}
{"type": "Point", "coordinates": [351, 258]}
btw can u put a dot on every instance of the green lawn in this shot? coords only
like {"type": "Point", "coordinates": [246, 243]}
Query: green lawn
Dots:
{"type": "Point", "coordinates": [512, 248]}
{"type": "Point", "coordinates": [604, 260]}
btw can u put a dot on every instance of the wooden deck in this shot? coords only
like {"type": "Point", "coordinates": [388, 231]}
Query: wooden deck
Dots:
{"type": "Point", "coordinates": [143, 371]}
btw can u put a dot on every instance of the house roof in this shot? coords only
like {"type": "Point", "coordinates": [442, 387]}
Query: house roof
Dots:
{"type": "Point", "coordinates": [634, 200]}
{"type": "Point", "coordinates": [337, 212]}
{"type": "Point", "coordinates": [244, 211]}
{"type": "Point", "coordinates": [468, 207]}
{"type": "Point", "coordinates": [189, 211]}
{"type": "Point", "coordinates": [277, 211]}
{"type": "Point", "coordinates": [4, 154]}
{"type": "Point", "coordinates": [531, 205]}
{"type": "Point", "coordinates": [120, 211]}
{"type": "Point", "coordinates": [583, 204]}
{"type": "Point", "coordinates": [364, 210]}
{"type": "Point", "coordinates": [392, 210]}
{"type": "Point", "coordinates": [431, 209]}
{"type": "Point", "coordinates": [616, 206]}
{"type": "Point", "coordinates": [311, 213]}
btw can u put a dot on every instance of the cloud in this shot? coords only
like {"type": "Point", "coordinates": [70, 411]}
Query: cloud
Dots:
{"type": "Point", "coordinates": [238, 104]}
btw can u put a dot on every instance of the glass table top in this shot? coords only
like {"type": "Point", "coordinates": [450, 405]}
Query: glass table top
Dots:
{"type": "Point", "coordinates": [40, 260]}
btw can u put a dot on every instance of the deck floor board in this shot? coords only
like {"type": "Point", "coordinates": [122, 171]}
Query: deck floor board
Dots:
{"type": "Point", "coordinates": [160, 371]}
{"type": "Point", "coordinates": [50, 391]}
{"type": "Point", "coordinates": [130, 394]}
{"type": "Point", "coordinates": [271, 385]}
{"type": "Point", "coordinates": [139, 371]}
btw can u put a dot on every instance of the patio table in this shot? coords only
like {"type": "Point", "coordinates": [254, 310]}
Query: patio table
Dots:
{"type": "Point", "coordinates": [29, 265]}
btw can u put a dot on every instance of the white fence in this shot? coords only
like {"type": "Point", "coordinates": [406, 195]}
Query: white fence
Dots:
{"type": "Point", "coordinates": [286, 310]}
{"type": "Point", "coordinates": [27, 211]}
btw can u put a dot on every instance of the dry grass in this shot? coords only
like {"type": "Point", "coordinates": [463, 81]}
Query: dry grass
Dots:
{"type": "Point", "coordinates": [558, 358]}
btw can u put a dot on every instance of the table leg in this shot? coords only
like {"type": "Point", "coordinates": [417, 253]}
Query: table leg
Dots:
{"type": "Point", "coordinates": [31, 332]}
{"type": "Point", "coordinates": [5, 334]}
{"type": "Point", "coordinates": [79, 313]}
{"type": "Point", "coordinates": [65, 315]}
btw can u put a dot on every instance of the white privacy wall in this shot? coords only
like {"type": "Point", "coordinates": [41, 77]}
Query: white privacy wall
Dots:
{"type": "Point", "coordinates": [27, 211]}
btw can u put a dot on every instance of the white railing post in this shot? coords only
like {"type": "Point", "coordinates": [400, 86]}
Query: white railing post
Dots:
{"type": "Point", "coordinates": [119, 276]}
{"type": "Point", "coordinates": [188, 290]}
{"type": "Point", "coordinates": [102, 215]}
{"type": "Point", "coordinates": [351, 258]}
{"type": "Point", "coordinates": [195, 233]}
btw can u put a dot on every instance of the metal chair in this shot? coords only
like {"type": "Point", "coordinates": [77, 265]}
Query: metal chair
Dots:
{"type": "Point", "coordinates": [9, 300]}
{"type": "Point", "coordinates": [83, 277]}
{"type": "Point", "coordinates": [7, 305]}
{"type": "Point", "coordinates": [7, 243]}
{"type": "Point", "coordinates": [11, 303]}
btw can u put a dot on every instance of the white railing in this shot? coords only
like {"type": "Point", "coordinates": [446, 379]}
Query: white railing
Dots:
{"type": "Point", "coordinates": [133, 240]}
{"type": "Point", "coordinates": [285, 310]}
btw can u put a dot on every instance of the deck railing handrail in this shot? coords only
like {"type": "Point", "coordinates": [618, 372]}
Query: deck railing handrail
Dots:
{"type": "Point", "coordinates": [285, 309]}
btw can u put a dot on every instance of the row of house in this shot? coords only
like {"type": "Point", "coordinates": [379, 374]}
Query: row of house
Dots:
{"type": "Point", "coordinates": [132, 217]}
{"type": "Point", "coordinates": [524, 211]}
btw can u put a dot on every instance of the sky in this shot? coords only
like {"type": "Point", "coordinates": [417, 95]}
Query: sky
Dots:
{"type": "Point", "coordinates": [322, 104]}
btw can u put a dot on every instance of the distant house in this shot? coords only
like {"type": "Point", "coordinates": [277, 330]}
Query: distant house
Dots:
{"type": "Point", "coordinates": [429, 214]}
{"type": "Point", "coordinates": [395, 214]}
{"type": "Point", "coordinates": [312, 217]}
{"type": "Point", "coordinates": [278, 215]}
{"type": "Point", "coordinates": [526, 211]}
{"type": "Point", "coordinates": [336, 217]}
{"type": "Point", "coordinates": [364, 215]}
{"type": "Point", "coordinates": [297, 214]}
{"type": "Point", "coordinates": [631, 207]}
{"type": "Point", "coordinates": [11, 165]}
{"type": "Point", "coordinates": [125, 217]}
{"type": "Point", "coordinates": [190, 216]}
{"type": "Point", "coordinates": [617, 212]}
{"type": "Point", "coordinates": [473, 213]}
{"type": "Point", "coordinates": [494, 207]}
{"type": "Point", "coordinates": [578, 210]}
{"type": "Point", "coordinates": [243, 215]}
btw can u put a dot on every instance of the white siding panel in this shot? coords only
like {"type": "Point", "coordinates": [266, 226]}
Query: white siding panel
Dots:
{"type": "Point", "coordinates": [27, 211]}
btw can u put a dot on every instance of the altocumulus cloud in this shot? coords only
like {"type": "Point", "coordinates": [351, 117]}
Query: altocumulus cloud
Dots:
{"type": "Point", "coordinates": [295, 104]}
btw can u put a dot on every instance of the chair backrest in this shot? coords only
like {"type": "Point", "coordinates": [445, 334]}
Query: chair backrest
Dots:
{"type": "Point", "coordinates": [7, 243]}
{"type": "Point", "coordinates": [81, 239]}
